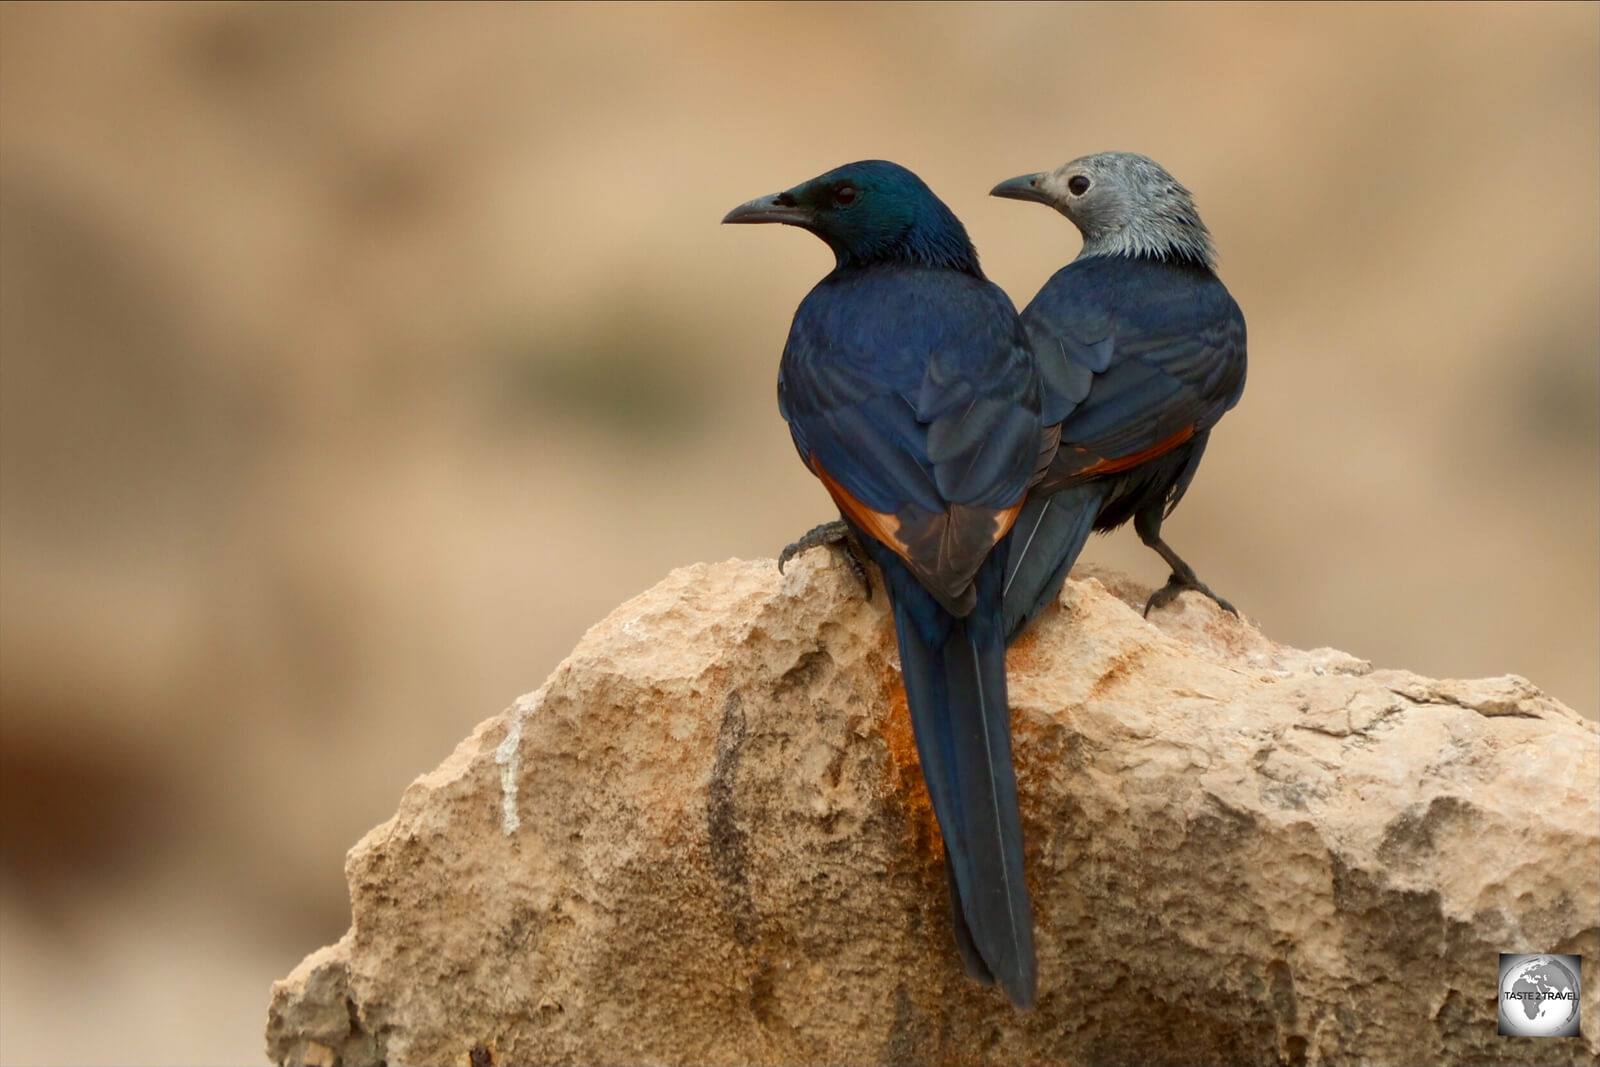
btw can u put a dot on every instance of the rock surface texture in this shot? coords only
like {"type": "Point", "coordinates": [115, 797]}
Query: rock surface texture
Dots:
{"type": "Point", "coordinates": [705, 840]}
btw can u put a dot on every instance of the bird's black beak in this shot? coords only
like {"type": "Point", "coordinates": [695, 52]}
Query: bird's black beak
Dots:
{"type": "Point", "coordinates": [1025, 187]}
{"type": "Point", "coordinates": [778, 207]}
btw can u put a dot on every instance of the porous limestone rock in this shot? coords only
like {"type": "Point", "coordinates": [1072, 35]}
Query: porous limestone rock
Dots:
{"type": "Point", "coordinates": [705, 840]}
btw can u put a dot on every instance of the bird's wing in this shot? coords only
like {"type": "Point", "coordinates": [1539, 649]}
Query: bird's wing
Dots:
{"type": "Point", "coordinates": [927, 446]}
{"type": "Point", "coordinates": [1154, 363]}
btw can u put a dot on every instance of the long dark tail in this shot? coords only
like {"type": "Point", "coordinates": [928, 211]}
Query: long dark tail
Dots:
{"type": "Point", "coordinates": [1045, 541]}
{"type": "Point", "coordinates": [955, 677]}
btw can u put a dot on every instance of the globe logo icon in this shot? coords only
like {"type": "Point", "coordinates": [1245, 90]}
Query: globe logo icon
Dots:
{"type": "Point", "coordinates": [1539, 996]}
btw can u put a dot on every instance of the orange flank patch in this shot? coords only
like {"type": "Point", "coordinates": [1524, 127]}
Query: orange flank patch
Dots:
{"type": "Point", "coordinates": [1004, 520]}
{"type": "Point", "coordinates": [886, 527]}
{"type": "Point", "coordinates": [879, 524]}
{"type": "Point", "coordinates": [1122, 463]}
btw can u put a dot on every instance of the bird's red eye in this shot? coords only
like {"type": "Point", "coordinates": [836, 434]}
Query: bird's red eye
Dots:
{"type": "Point", "coordinates": [1078, 185]}
{"type": "Point", "coordinates": [844, 195]}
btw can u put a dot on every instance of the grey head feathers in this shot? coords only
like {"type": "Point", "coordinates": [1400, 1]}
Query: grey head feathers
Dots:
{"type": "Point", "coordinates": [1126, 204]}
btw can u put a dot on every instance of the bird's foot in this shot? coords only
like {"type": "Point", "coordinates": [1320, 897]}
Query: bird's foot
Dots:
{"type": "Point", "coordinates": [837, 536]}
{"type": "Point", "coordinates": [1175, 585]}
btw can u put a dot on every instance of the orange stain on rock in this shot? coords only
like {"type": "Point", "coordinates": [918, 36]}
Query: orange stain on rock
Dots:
{"type": "Point", "coordinates": [906, 769]}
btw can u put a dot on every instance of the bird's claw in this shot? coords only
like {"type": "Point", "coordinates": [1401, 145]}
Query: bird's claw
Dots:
{"type": "Point", "coordinates": [1175, 585]}
{"type": "Point", "coordinates": [837, 536]}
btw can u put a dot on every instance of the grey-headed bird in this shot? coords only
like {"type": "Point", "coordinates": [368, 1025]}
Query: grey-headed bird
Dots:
{"type": "Point", "coordinates": [1142, 350]}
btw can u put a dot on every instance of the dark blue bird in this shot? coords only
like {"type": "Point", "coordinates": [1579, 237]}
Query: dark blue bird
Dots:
{"type": "Point", "coordinates": [1141, 350]}
{"type": "Point", "coordinates": [911, 394]}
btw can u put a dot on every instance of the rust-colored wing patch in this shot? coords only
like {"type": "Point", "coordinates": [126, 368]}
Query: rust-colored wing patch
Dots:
{"type": "Point", "coordinates": [1003, 520]}
{"type": "Point", "coordinates": [944, 549]}
{"type": "Point", "coordinates": [1122, 463]}
{"type": "Point", "coordinates": [880, 524]}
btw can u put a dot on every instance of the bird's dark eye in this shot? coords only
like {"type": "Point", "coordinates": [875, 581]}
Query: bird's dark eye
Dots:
{"type": "Point", "coordinates": [1078, 185]}
{"type": "Point", "coordinates": [845, 195]}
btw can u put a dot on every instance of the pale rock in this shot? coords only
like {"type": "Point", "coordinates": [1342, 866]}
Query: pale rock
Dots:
{"type": "Point", "coordinates": [705, 840]}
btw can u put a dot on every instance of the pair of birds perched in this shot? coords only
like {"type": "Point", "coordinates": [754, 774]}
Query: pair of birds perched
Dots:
{"type": "Point", "coordinates": [971, 451]}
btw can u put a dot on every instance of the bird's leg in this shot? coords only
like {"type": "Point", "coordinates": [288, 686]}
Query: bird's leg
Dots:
{"type": "Point", "coordinates": [1148, 526]}
{"type": "Point", "coordinates": [838, 536]}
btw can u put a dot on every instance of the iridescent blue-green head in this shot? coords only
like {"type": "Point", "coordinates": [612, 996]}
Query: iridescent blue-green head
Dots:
{"type": "Point", "coordinates": [870, 212]}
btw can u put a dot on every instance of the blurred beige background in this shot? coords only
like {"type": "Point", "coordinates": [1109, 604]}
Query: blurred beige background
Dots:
{"type": "Point", "coordinates": [355, 359]}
